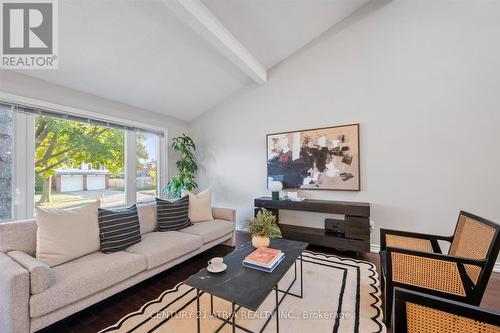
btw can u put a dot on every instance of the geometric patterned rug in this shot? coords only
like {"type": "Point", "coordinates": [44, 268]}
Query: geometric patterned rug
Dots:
{"type": "Point", "coordinates": [340, 295]}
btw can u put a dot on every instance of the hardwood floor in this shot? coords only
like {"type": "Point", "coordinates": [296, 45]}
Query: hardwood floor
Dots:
{"type": "Point", "coordinates": [109, 311]}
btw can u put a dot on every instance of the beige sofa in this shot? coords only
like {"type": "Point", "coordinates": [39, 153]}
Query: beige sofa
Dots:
{"type": "Point", "coordinates": [33, 296]}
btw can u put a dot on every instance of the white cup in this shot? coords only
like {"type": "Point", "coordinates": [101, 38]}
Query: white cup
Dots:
{"type": "Point", "coordinates": [216, 262]}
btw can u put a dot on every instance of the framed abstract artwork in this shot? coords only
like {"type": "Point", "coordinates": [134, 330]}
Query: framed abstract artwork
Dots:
{"type": "Point", "coordinates": [315, 159]}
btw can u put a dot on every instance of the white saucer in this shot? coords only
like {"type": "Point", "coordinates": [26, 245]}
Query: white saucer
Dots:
{"type": "Point", "coordinates": [220, 269]}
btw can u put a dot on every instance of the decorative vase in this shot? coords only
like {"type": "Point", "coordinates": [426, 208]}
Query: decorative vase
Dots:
{"type": "Point", "coordinates": [260, 241]}
{"type": "Point", "coordinates": [275, 188]}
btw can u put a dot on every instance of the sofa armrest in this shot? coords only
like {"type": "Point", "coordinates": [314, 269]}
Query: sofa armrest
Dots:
{"type": "Point", "coordinates": [224, 214]}
{"type": "Point", "coordinates": [41, 275]}
{"type": "Point", "coordinates": [14, 296]}
{"type": "Point", "coordinates": [18, 236]}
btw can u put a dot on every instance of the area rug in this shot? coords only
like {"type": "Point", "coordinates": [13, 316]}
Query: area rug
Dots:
{"type": "Point", "coordinates": [340, 295]}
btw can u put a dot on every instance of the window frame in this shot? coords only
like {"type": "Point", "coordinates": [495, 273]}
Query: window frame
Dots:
{"type": "Point", "coordinates": [24, 150]}
{"type": "Point", "coordinates": [159, 184]}
{"type": "Point", "coordinates": [24, 166]}
{"type": "Point", "coordinates": [13, 172]}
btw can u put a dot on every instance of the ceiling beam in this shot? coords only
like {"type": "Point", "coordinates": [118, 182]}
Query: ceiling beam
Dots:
{"type": "Point", "coordinates": [195, 14]}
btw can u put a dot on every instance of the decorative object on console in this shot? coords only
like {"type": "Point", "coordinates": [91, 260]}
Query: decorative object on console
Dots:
{"type": "Point", "coordinates": [275, 187]}
{"type": "Point", "coordinates": [187, 166]}
{"type": "Point", "coordinates": [119, 228]}
{"type": "Point", "coordinates": [293, 196]}
{"type": "Point", "coordinates": [315, 159]}
{"type": "Point", "coordinates": [263, 227]}
{"type": "Point", "coordinates": [200, 206]}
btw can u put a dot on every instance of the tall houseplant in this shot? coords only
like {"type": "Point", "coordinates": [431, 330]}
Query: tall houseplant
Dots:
{"type": "Point", "coordinates": [185, 179]}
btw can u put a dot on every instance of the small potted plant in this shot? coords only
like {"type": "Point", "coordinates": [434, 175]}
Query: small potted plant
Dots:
{"type": "Point", "coordinates": [263, 227]}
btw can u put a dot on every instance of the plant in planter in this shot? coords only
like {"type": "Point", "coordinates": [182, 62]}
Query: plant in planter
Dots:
{"type": "Point", "coordinates": [263, 227]}
{"type": "Point", "coordinates": [187, 166]}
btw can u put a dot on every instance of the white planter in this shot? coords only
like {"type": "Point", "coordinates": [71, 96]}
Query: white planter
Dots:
{"type": "Point", "coordinates": [259, 241]}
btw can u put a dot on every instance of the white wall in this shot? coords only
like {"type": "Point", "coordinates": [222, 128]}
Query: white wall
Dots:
{"type": "Point", "coordinates": [22, 85]}
{"type": "Point", "coordinates": [423, 80]}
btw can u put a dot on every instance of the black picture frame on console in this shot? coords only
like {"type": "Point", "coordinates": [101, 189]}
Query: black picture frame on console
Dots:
{"type": "Point", "coordinates": [326, 158]}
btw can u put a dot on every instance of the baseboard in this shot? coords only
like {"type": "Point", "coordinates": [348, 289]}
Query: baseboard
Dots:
{"type": "Point", "coordinates": [375, 248]}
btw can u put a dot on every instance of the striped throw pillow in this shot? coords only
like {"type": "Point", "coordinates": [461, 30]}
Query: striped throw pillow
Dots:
{"type": "Point", "coordinates": [118, 228]}
{"type": "Point", "coordinates": [173, 215]}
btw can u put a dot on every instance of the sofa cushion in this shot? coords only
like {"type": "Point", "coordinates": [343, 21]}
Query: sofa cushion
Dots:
{"type": "Point", "coordinates": [210, 230]}
{"type": "Point", "coordinates": [118, 228]}
{"type": "Point", "coordinates": [85, 276]}
{"type": "Point", "coordinates": [41, 275]}
{"type": "Point", "coordinates": [147, 217]}
{"type": "Point", "coordinates": [224, 214]}
{"type": "Point", "coordinates": [162, 247]}
{"type": "Point", "coordinates": [66, 234]}
{"type": "Point", "coordinates": [200, 206]}
{"type": "Point", "coordinates": [173, 215]}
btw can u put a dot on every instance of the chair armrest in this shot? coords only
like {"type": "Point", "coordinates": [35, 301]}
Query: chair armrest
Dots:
{"type": "Point", "coordinates": [438, 256]}
{"type": "Point", "coordinates": [41, 275]}
{"type": "Point", "coordinates": [439, 272]}
{"type": "Point", "coordinates": [14, 296]}
{"type": "Point", "coordinates": [432, 238]}
{"type": "Point", "coordinates": [224, 214]}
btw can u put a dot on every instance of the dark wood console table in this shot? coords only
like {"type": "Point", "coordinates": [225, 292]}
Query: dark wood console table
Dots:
{"type": "Point", "coordinates": [350, 234]}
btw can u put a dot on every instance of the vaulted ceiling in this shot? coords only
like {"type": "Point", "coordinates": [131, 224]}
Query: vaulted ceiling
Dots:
{"type": "Point", "coordinates": [182, 57]}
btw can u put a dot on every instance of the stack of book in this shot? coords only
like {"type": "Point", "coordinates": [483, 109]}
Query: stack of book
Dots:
{"type": "Point", "coordinates": [264, 259]}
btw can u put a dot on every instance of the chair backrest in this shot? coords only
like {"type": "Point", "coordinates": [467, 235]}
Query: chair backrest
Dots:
{"type": "Point", "coordinates": [476, 238]}
{"type": "Point", "coordinates": [416, 312]}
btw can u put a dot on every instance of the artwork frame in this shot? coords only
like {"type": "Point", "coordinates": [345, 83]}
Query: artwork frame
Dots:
{"type": "Point", "coordinates": [338, 145]}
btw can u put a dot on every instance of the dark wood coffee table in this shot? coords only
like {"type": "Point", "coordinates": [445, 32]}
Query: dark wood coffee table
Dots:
{"type": "Point", "coordinates": [247, 287]}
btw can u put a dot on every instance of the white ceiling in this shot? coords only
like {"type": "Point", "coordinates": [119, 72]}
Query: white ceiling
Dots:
{"type": "Point", "coordinates": [139, 53]}
{"type": "Point", "coordinates": [272, 30]}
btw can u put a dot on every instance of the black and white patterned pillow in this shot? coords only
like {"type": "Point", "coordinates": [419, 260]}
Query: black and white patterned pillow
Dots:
{"type": "Point", "coordinates": [118, 228]}
{"type": "Point", "coordinates": [173, 215]}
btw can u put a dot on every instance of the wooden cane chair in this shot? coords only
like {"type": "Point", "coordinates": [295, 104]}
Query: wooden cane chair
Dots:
{"type": "Point", "coordinates": [414, 261]}
{"type": "Point", "coordinates": [416, 312]}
